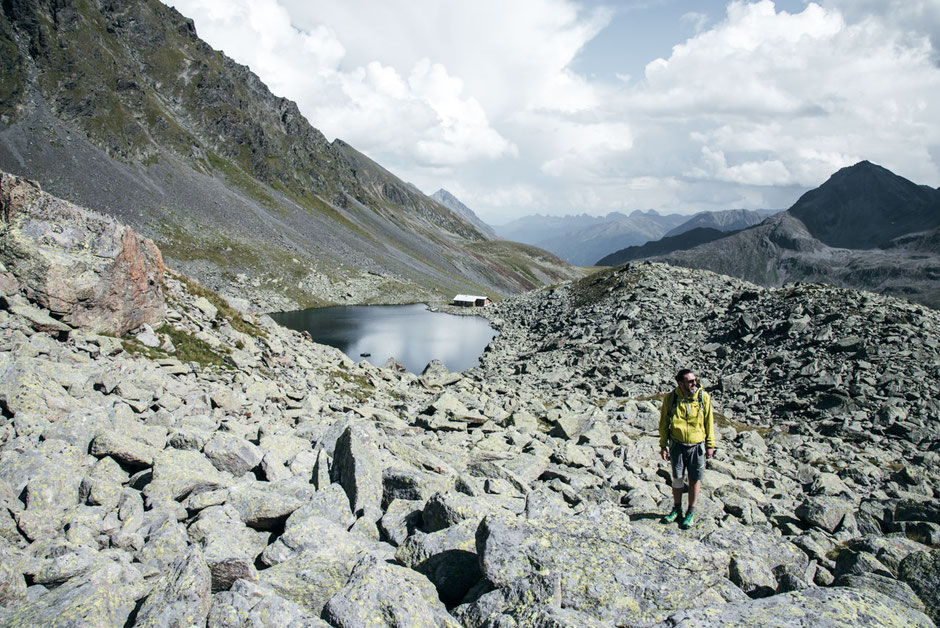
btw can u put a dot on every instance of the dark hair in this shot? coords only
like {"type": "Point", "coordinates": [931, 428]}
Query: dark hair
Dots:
{"type": "Point", "coordinates": [681, 374]}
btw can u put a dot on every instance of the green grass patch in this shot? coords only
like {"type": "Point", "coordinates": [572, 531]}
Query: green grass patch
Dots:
{"type": "Point", "coordinates": [244, 182]}
{"type": "Point", "coordinates": [225, 310]}
{"type": "Point", "coordinates": [189, 348]}
{"type": "Point", "coordinates": [360, 386]}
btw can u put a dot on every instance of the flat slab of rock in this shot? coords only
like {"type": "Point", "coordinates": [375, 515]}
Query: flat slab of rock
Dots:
{"type": "Point", "coordinates": [607, 567]}
{"type": "Point", "coordinates": [835, 606]}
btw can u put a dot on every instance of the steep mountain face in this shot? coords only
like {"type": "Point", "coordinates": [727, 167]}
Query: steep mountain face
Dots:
{"type": "Point", "coordinates": [451, 202]}
{"type": "Point", "coordinates": [890, 247]}
{"type": "Point", "coordinates": [121, 107]}
{"type": "Point", "coordinates": [583, 239]}
{"type": "Point", "coordinates": [866, 206]}
{"type": "Point", "coordinates": [727, 221]}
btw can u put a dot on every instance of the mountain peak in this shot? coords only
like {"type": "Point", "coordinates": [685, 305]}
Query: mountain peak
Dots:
{"type": "Point", "coordinates": [866, 206]}
{"type": "Point", "coordinates": [452, 203]}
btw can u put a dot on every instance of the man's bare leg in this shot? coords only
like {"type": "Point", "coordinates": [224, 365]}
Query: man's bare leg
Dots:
{"type": "Point", "coordinates": [694, 488]}
{"type": "Point", "coordinates": [677, 497]}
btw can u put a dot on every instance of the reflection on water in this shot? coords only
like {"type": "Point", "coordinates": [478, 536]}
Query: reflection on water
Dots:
{"type": "Point", "coordinates": [410, 333]}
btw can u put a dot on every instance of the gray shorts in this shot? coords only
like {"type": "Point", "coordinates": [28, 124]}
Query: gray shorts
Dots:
{"type": "Point", "coordinates": [687, 458]}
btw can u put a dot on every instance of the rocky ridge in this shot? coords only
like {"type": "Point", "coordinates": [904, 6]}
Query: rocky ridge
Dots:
{"type": "Point", "coordinates": [214, 469]}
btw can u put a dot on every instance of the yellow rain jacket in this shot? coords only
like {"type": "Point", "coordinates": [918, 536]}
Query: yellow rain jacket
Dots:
{"type": "Point", "coordinates": [692, 419]}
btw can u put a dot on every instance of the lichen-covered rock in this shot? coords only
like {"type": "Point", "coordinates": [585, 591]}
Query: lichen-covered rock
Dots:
{"type": "Point", "coordinates": [177, 473]}
{"type": "Point", "coordinates": [123, 448]}
{"type": "Point", "coordinates": [824, 511]}
{"type": "Point", "coordinates": [229, 546]}
{"type": "Point", "coordinates": [755, 553]}
{"type": "Point", "coordinates": [232, 454]}
{"type": "Point", "coordinates": [261, 506]}
{"type": "Point", "coordinates": [381, 594]}
{"type": "Point", "coordinates": [182, 596]}
{"type": "Point", "coordinates": [84, 266]}
{"type": "Point", "coordinates": [310, 579]}
{"type": "Point", "coordinates": [102, 597]}
{"type": "Point", "coordinates": [836, 606]}
{"type": "Point", "coordinates": [12, 582]}
{"type": "Point", "coordinates": [356, 467]}
{"type": "Point", "coordinates": [311, 533]}
{"type": "Point", "coordinates": [448, 558]}
{"type": "Point", "coordinates": [254, 605]}
{"type": "Point", "coordinates": [608, 567]}
{"type": "Point", "coordinates": [921, 570]}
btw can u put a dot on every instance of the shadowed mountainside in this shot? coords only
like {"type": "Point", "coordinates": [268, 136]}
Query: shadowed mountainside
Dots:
{"type": "Point", "coordinates": [864, 228]}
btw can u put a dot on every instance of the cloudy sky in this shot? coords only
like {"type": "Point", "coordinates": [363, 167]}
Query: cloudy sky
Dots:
{"type": "Point", "coordinates": [566, 107]}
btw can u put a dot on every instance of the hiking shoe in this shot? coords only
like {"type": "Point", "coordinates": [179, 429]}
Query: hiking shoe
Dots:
{"type": "Point", "coordinates": [689, 521]}
{"type": "Point", "coordinates": [675, 514]}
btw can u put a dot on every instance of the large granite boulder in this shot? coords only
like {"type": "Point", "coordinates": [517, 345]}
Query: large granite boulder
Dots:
{"type": "Point", "coordinates": [615, 570]}
{"type": "Point", "coordinates": [84, 267]}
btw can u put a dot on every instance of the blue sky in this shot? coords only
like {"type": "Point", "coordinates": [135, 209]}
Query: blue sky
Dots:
{"type": "Point", "coordinates": [566, 107]}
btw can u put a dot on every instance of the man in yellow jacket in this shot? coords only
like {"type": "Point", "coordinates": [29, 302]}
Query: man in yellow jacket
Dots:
{"type": "Point", "coordinates": [686, 437]}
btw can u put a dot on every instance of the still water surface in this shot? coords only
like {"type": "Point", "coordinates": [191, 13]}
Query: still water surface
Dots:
{"type": "Point", "coordinates": [411, 334]}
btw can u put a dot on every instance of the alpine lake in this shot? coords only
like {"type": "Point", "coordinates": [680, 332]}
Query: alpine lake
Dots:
{"type": "Point", "coordinates": [412, 334]}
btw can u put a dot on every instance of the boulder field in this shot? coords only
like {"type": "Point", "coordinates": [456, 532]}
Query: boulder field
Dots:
{"type": "Point", "coordinates": [210, 468]}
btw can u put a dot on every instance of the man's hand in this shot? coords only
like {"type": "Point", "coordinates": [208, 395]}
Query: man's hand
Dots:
{"type": "Point", "coordinates": [710, 452]}
{"type": "Point", "coordinates": [665, 453]}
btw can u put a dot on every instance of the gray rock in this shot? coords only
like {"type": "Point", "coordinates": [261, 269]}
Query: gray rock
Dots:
{"type": "Point", "coordinates": [446, 509]}
{"type": "Point", "coordinates": [608, 567]}
{"type": "Point", "coordinates": [165, 540]}
{"type": "Point", "coordinates": [448, 558]}
{"type": "Point", "coordinates": [229, 546]}
{"type": "Point", "coordinates": [356, 468]}
{"type": "Point", "coordinates": [312, 533]}
{"type": "Point", "coordinates": [402, 517]}
{"type": "Point", "coordinates": [177, 473]}
{"type": "Point", "coordinates": [755, 554]}
{"type": "Point", "coordinates": [12, 582]}
{"type": "Point", "coordinates": [102, 597]}
{"type": "Point", "coordinates": [921, 570]}
{"type": "Point", "coordinates": [94, 273]}
{"type": "Point", "coordinates": [261, 506]}
{"type": "Point", "coordinates": [410, 484]}
{"type": "Point", "coordinates": [824, 512]}
{"type": "Point", "coordinates": [146, 336]}
{"type": "Point", "coordinates": [895, 589]}
{"type": "Point", "coordinates": [310, 579]}
{"type": "Point", "coordinates": [182, 596]}
{"type": "Point", "coordinates": [131, 452]}
{"type": "Point", "coordinates": [254, 605]}
{"type": "Point", "coordinates": [382, 594]}
{"type": "Point", "coordinates": [837, 606]}
{"type": "Point", "coordinates": [232, 454]}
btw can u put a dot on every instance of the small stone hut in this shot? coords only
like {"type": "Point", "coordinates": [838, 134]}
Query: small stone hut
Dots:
{"type": "Point", "coordinates": [470, 300]}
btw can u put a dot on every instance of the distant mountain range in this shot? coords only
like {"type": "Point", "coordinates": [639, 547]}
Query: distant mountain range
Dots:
{"type": "Point", "coordinates": [583, 239]}
{"type": "Point", "coordinates": [579, 239]}
{"type": "Point", "coordinates": [864, 228]}
{"type": "Point", "coordinates": [120, 107]}
{"type": "Point", "coordinates": [723, 221]}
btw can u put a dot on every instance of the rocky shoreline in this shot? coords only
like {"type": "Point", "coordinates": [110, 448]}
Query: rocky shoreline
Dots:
{"type": "Point", "coordinates": [211, 468]}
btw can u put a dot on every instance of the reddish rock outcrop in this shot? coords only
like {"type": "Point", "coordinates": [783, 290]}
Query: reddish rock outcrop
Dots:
{"type": "Point", "coordinates": [86, 268]}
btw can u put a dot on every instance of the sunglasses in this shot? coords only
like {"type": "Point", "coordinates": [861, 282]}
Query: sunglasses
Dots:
{"type": "Point", "coordinates": [689, 381]}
